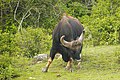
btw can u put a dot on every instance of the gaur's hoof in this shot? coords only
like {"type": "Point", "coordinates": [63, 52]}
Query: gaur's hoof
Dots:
{"type": "Point", "coordinates": [69, 69]}
{"type": "Point", "coordinates": [44, 69]}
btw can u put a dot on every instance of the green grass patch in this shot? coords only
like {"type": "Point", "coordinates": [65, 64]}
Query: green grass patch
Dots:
{"type": "Point", "coordinates": [98, 63]}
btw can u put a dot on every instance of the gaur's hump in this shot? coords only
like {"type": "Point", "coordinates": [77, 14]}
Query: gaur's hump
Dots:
{"type": "Point", "coordinates": [66, 18]}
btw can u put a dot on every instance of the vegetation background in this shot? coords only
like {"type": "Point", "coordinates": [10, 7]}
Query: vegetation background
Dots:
{"type": "Point", "coordinates": [26, 28]}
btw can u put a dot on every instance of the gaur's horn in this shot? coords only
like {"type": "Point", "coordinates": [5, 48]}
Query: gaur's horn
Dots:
{"type": "Point", "coordinates": [81, 38]}
{"type": "Point", "coordinates": [75, 44]}
{"type": "Point", "coordinates": [65, 43]}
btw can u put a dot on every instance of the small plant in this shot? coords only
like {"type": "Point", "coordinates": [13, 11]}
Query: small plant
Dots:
{"type": "Point", "coordinates": [7, 70]}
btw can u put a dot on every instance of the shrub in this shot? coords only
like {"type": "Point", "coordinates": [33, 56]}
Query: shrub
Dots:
{"type": "Point", "coordinates": [6, 44]}
{"type": "Point", "coordinates": [7, 70]}
{"type": "Point", "coordinates": [32, 41]}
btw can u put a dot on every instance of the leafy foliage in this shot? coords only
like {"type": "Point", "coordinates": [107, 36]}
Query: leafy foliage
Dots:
{"type": "Point", "coordinates": [7, 45]}
{"type": "Point", "coordinates": [14, 45]}
{"type": "Point", "coordinates": [103, 24]}
{"type": "Point", "coordinates": [7, 69]}
{"type": "Point", "coordinates": [32, 42]}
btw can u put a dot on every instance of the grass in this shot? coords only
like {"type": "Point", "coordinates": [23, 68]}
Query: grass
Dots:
{"type": "Point", "coordinates": [98, 63]}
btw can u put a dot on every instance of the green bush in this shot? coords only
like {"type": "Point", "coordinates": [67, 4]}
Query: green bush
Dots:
{"type": "Point", "coordinates": [29, 42]}
{"type": "Point", "coordinates": [7, 70]}
{"type": "Point", "coordinates": [103, 25]}
{"type": "Point", "coordinates": [32, 41]}
{"type": "Point", "coordinates": [6, 44]}
{"type": "Point", "coordinates": [11, 67]}
{"type": "Point", "coordinates": [13, 46]}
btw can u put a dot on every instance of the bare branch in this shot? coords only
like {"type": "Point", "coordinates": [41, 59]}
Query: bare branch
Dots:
{"type": "Point", "coordinates": [28, 14]}
{"type": "Point", "coordinates": [16, 11]}
{"type": "Point", "coordinates": [38, 18]}
{"type": "Point", "coordinates": [24, 17]}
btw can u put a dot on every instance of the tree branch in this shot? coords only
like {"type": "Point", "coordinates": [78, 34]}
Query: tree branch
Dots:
{"type": "Point", "coordinates": [16, 11]}
{"type": "Point", "coordinates": [24, 17]}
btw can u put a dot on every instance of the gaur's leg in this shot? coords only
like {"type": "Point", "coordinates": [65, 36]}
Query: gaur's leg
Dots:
{"type": "Point", "coordinates": [79, 62]}
{"type": "Point", "coordinates": [66, 57]}
{"type": "Point", "coordinates": [52, 55]}
{"type": "Point", "coordinates": [69, 65]}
